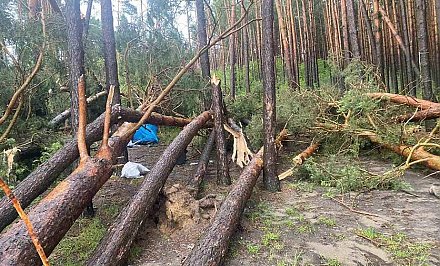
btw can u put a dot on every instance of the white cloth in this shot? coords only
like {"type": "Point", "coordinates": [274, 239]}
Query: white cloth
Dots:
{"type": "Point", "coordinates": [133, 170]}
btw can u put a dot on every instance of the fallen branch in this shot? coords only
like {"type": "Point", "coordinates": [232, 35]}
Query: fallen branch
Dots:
{"type": "Point", "coordinates": [299, 160]}
{"type": "Point", "coordinates": [60, 118]}
{"type": "Point", "coordinates": [26, 221]}
{"type": "Point", "coordinates": [212, 247]}
{"type": "Point", "coordinates": [114, 247]}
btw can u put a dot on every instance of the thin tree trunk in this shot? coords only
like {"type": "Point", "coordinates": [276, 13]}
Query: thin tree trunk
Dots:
{"type": "Point", "coordinates": [270, 177]}
{"type": "Point", "coordinates": [354, 44]}
{"type": "Point", "coordinates": [202, 41]}
{"type": "Point", "coordinates": [202, 166]}
{"type": "Point", "coordinates": [232, 55]}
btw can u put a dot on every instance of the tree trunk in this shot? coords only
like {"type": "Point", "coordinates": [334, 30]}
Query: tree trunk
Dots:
{"type": "Point", "coordinates": [369, 31]}
{"type": "Point", "coordinates": [270, 177]}
{"type": "Point", "coordinates": [211, 249]}
{"type": "Point", "coordinates": [202, 167]}
{"type": "Point", "coordinates": [422, 37]}
{"type": "Point", "coordinates": [354, 44]}
{"type": "Point", "coordinates": [408, 100]}
{"type": "Point", "coordinates": [113, 248]}
{"type": "Point", "coordinates": [378, 38]}
{"type": "Point", "coordinates": [432, 113]}
{"type": "Point", "coordinates": [76, 56]}
{"type": "Point", "coordinates": [345, 33]}
{"type": "Point", "coordinates": [108, 37]}
{"type": "Point", "coordinates": [45, 174]}
{"type": "Point", "coordinates": [285, 42]}
{"type": "Point", "coordinates": [204, 58]}
{"type": "Point", "coordinates": [222, 159]}
{"type": "Point", "coordinates": [232, 55]}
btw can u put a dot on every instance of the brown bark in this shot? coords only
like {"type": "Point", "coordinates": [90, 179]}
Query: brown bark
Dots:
{"type": "Point", "coordinates": [345, 33]}
{"type": "Point", "coordinates": [232, 54]}
{"type": "Point", "coordinates": [270, 178]}
{"type": "Point", "coordinates": [76, 57]}
{"type": "Point", "coordinates": [431, 113]}
{"type": "Point", "coordinates": [285, 42]}
{"type": "Point", "coordinates": [369, 30]}
{"type": "Point", "coordinates": [202, 166]}
{"type": "Point", "coordinates": [211, 249]}
{"type": "Point", "coordinates": [299, 159]}
{"type": "Point", "coordinates": [354, 44]}
{"type": "Point", "coordinates": [108, 37]}
{"type": "Point", "coordinates": [408, 100]}
{"type": "Point", "coordinates": [378, 38]}
{"type": "Point", "coordinates": [113, 248]}
{"type": "Point", "coordinates": [26, 221]}
{"type": "Point", "coordinates": [222, 160]}
{"type": "Point", "coordinates": [202, 41]}
{"type": "Point", "coordinates": [45, 174]}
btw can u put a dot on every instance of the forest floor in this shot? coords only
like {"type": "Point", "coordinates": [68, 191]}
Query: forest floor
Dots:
{"type": "Point", "coordinates": [301, 225]}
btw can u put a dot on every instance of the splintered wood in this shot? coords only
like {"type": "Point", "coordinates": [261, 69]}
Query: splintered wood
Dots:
{"type": "Point", "coordinates": [241, 154]}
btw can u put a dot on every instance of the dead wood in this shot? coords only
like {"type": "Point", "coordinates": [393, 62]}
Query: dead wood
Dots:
{"type": "Point", "coordinates": [202, 165]}
{"type": "Point", "coordinates": [220, 141]}
{"type": "Point", "coordinates": [212, 247]}
{"type": "Point", "coordinates": [407, 100]}
{"type": "Point", "coordinates": [431, 113]}
{"type": "Point", "coordinates": [60, 118]}
{"type": "Point", "coordinates": [299, 160]}
{"type": "Point", "coordinates": [26, 221]}
{"type": "Point", "coordinates": [113, 248]}
{"type": "Point", "coordinates": [45, 174]}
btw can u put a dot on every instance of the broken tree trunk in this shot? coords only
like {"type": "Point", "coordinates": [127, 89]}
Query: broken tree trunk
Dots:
{"type": "Point", "coordinates": [203, 165]}
{"type": "Point", "coordinates": [113, 248]}
{"type": "Point", "coordinates": [222, 160]}
{"type": "Point", "coordinates": [212, 247]}
{"type": "Point", "coordinates": [407, 100]}
{"type": "Point", "coordinates": [60, 118]}
{"type": "Point", "coordinates": [299, 160]}
{"type": "Point", "coordinates": [56, 213]}
{"type": "Point", "coordinates": [45, 174]}
{"type": "Point", "coordinates": [431, 113]}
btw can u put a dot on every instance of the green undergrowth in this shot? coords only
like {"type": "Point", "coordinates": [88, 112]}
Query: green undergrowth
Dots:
{"type": "Point", "coordinates": [404, 250]}
{"type": "Point", "coordinates": [345, 175]}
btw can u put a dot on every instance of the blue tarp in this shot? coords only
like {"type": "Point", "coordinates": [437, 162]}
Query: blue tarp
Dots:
{"type": "Point", "coordinates": [146, 134]}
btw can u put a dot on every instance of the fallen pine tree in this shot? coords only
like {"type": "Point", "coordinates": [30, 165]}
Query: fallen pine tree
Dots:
{"type": "Point", "coordinates": [61, 117]}
{"type": "Point", "coordinates": [46, 173]}
{"type": "Point", "coordinates": [114, 248]}
{"type": "Point", "coordinates": [431, 113]}
{"type": "Point", "coordinates": [202, 165]}
{"type": "Point", "coordinates": [212, 247]}
{"type": "Point", "coordinates": [403, 99]}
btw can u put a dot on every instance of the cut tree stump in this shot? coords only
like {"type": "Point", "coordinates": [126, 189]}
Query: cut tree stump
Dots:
{"type": "Point", "coordinates": [212, 247]}
{"type": "Point", "coordinates": [114, 248]}
{"type": "Point", "coordinates": [45, 174]}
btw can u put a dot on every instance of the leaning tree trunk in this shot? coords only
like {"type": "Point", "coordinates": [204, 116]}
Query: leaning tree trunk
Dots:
{"type": "Point", "coordinates": [202, 166]}
{"type": "Point", "coordinates": [271, 181]}
{"type": "Point", "coordinates": [211, 249]}
{"type": "Point", "coordinates": [113, 248]}
{"type": "Point", "coordinates": [45, 174]}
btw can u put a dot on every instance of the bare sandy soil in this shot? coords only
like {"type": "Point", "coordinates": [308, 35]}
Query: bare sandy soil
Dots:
{"type": "Point", "coordinates": [298, 226]}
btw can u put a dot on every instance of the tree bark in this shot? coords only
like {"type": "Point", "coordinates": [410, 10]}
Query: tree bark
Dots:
{"type": "Point", "coordinates": [408, 100]}
{"type": "Point", "coordinates": [222, 160]}
{"type": "Point", "coordinates": [432, 113]}
{"type": "Point", "coordinates": [232, 55]}
{"type": "Point", "coordinates": [354, 44]}
{"type": "Point", "coordinates": [76, 56]}
{"type": "Point", "coordinates": [270, 178]}
{"type": "Point", "coordinates": [211, 249]}
{"type": "Point", "coordinates": [41, 178]}
{"type": "Point", "coordinates": [202, 167]}
{"type": "Point", "coordinates": [108, 37]}
{"type": "Point", "coordinates": [113, 248]}
{"type": "Point", "coordinates": [422, 37]}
